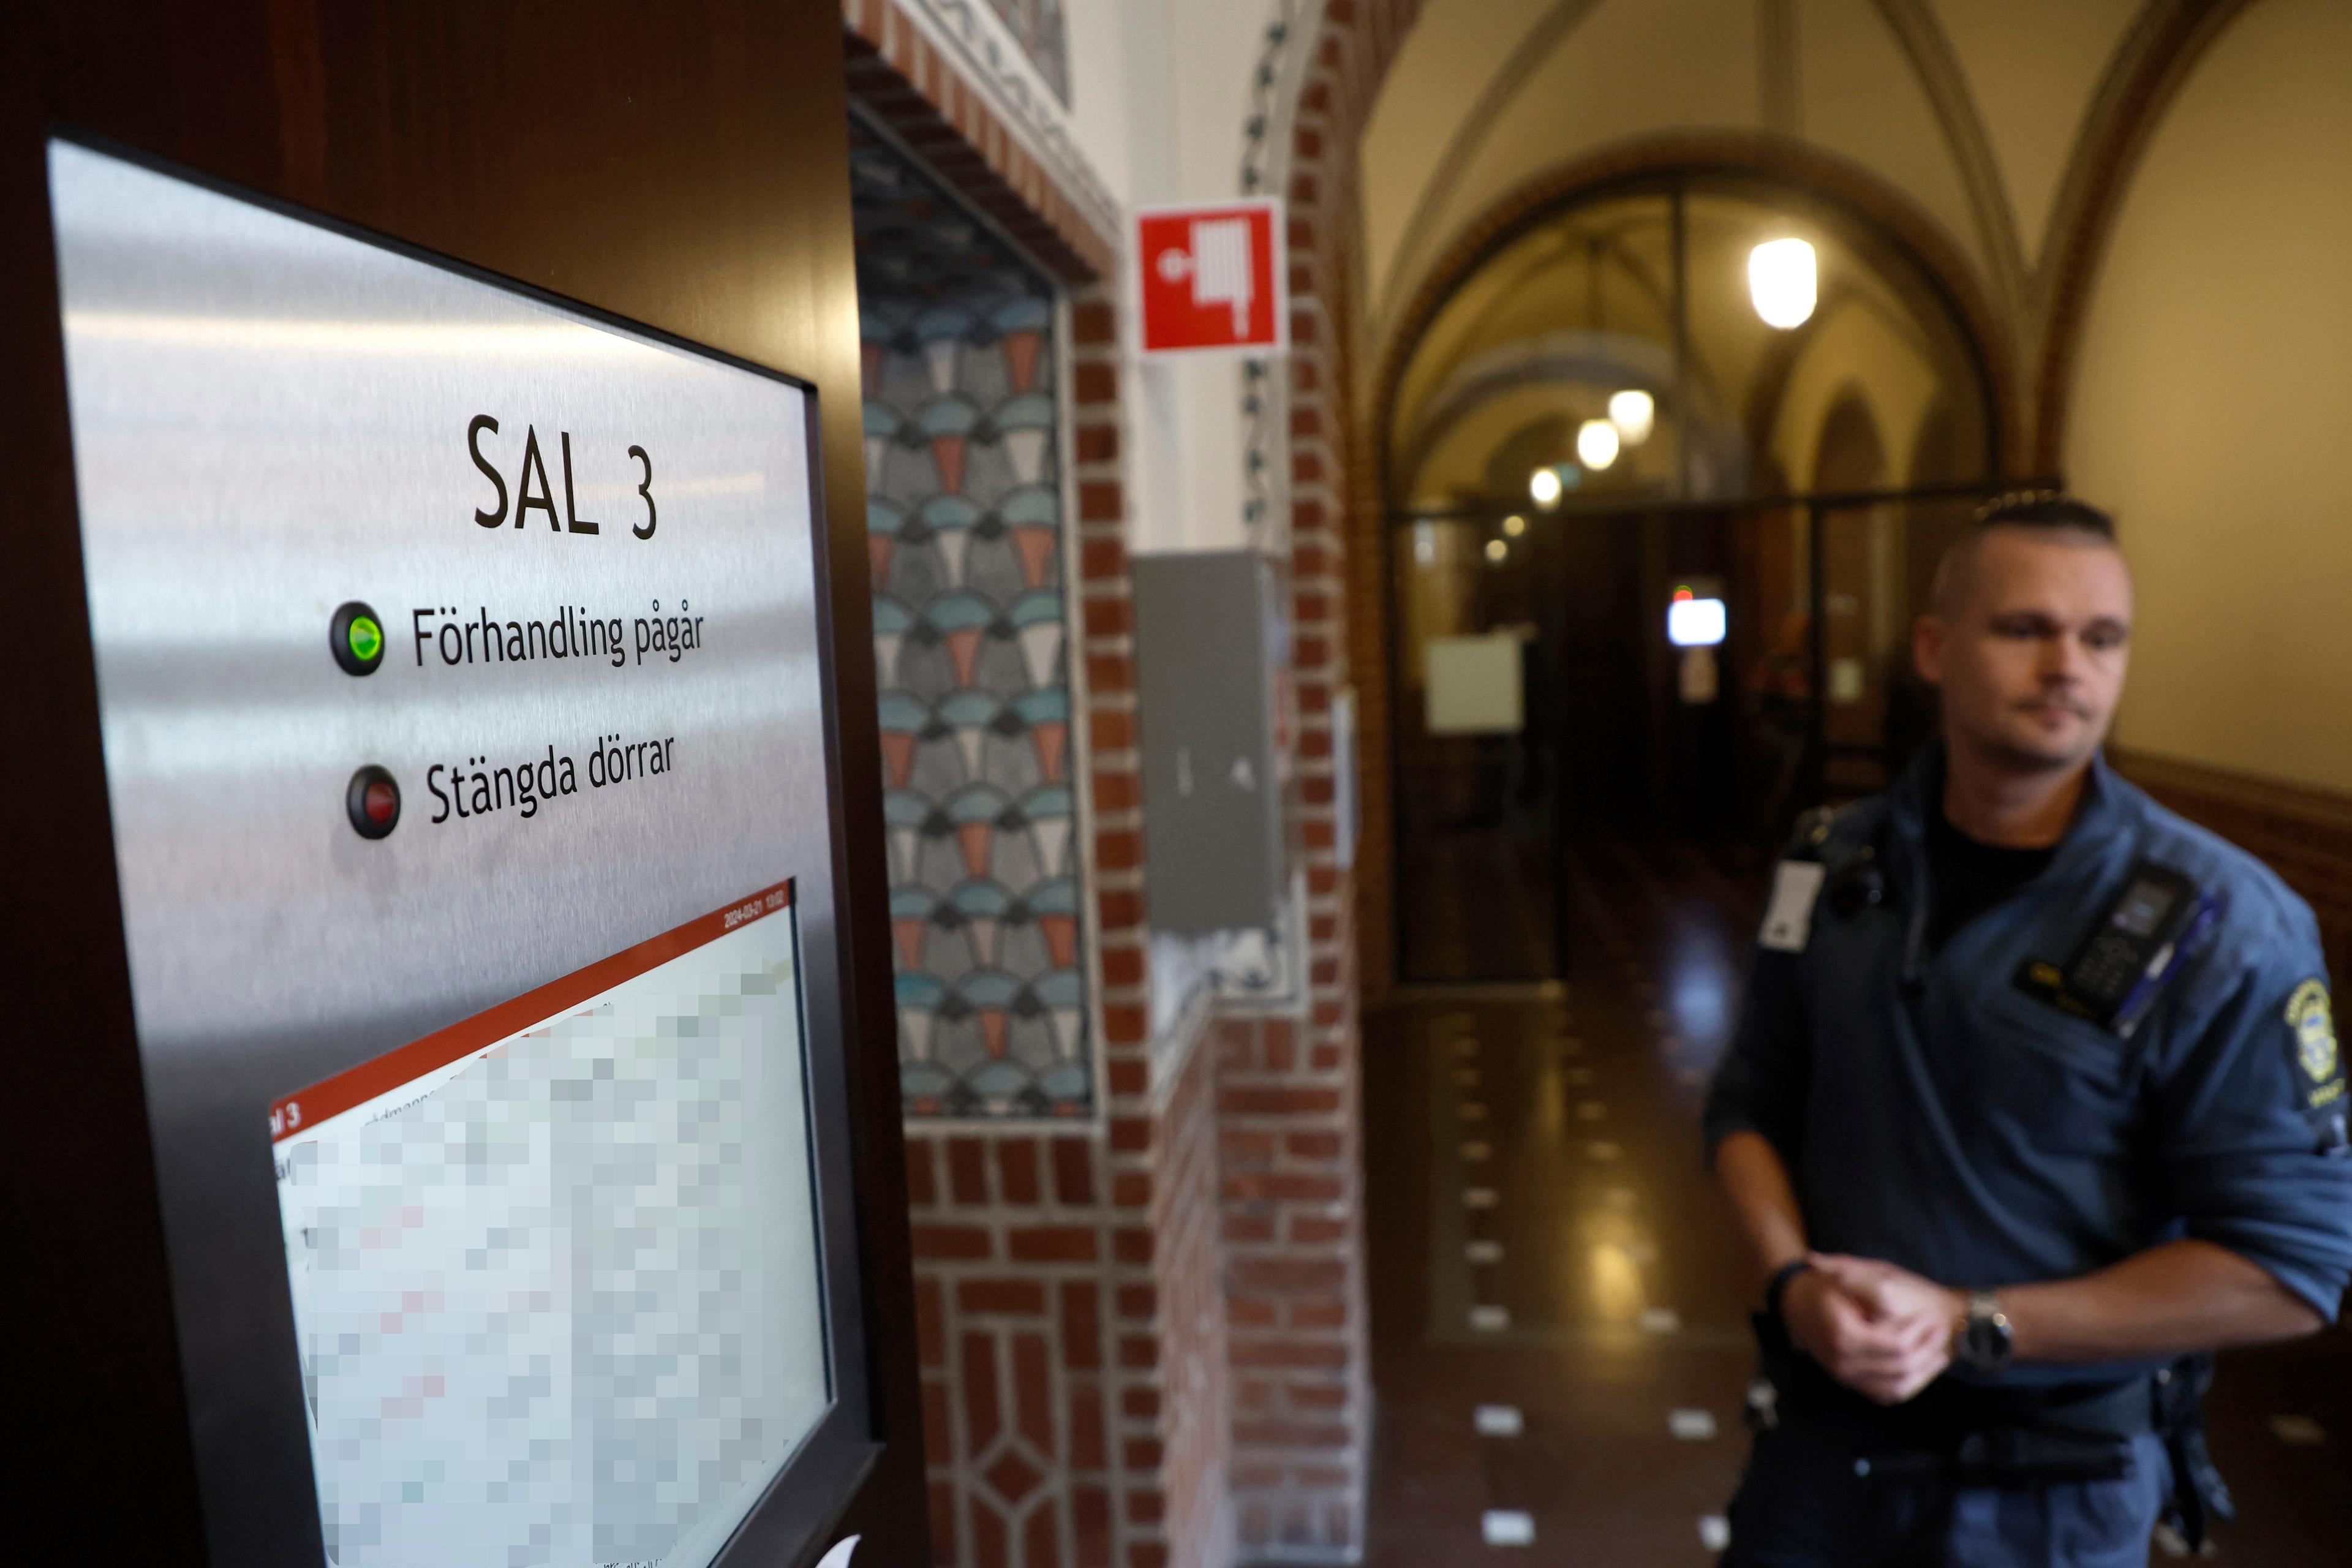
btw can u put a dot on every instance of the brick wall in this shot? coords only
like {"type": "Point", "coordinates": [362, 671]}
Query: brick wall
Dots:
{"type": "Point", "coordinates": [1145, 1336]}
{"type": "Point", "coordinates": [1289, 1114]}
{"type": "Point", "coordinates": [1072, 1357]}
{"type": "Point", "coordinates": [1071, 1335]}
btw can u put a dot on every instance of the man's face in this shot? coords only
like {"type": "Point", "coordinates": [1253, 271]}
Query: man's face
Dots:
{"type": "Point", "coordinates": [2030, 655]}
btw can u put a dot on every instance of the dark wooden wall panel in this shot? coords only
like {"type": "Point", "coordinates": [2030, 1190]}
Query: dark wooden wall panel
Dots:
{"type": "Point", "coordinates": [680, 163]}
{"type": "Point", "coordinates": [2304, 834]}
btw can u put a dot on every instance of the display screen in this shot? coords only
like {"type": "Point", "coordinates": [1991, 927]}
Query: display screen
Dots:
{"type": "Point", "coordinates": [557, 1292]}
{"type": "Point", "coordinates": [2143, 908]}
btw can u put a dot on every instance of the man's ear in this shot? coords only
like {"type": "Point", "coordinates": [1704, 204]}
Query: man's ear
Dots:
{"type": "Point", "coordinates": [1928, 649]}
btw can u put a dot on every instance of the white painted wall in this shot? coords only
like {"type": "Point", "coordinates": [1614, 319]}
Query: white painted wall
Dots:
{"type": "Point", "coordinates": [2210, 401]}
{"type": "Point", "coordinates": [1159, 92]}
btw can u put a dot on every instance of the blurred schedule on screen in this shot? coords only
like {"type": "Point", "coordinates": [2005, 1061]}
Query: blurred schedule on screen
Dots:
{"type": "Point", "coordinates": [555, 1269]}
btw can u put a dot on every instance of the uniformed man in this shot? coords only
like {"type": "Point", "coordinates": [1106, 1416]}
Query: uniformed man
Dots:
{"type": "Point", "coordinates": [2035, 1093]}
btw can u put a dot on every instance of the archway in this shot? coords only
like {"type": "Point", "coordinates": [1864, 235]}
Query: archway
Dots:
{"type": "Point", "coordinates": [1591, 418]}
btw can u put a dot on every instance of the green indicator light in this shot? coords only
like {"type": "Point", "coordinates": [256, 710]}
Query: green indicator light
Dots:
{"type": "Point", "coordinates": [366, 638]}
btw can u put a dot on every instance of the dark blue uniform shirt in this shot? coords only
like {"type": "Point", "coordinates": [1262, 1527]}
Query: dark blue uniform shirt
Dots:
{"type": "Point", "coordinates": [1934, 1113]}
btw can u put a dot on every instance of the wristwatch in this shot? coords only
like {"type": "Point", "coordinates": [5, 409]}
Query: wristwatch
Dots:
{"type": "Point", "coordinates": [1782, 1278]}
{"type": "Point", "coordinates": [1982, 1340]}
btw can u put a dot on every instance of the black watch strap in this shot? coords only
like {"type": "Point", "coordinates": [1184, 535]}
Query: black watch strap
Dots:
{"type": "Point", "coordinates": [1778, 1287]}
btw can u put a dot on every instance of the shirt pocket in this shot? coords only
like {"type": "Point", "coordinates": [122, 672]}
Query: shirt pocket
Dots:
{"type": "Point", "coordinates": [2063, 1081]}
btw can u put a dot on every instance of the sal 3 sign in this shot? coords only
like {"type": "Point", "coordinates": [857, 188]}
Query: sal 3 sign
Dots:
{"type": "Point", "coordinates": [1213, 277]}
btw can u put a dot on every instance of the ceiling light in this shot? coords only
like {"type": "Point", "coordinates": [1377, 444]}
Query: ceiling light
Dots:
{"type": "Point", "coordinates": [1596, 443]}
{"type": "Point", "coordinates": [1497, 549]}
{"type": "Point", "coordinates": [1515, 525]}
{"type": "Point", "coordinates": [1545, 487]}
{"type": "Point", "coordinates": [1634, 412]}
{"type": "Point", "coordinates": [1783, 282]}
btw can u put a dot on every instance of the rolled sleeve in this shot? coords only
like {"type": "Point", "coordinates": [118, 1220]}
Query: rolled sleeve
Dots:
{"type": "Point", "coordinates": [1759, 1086]}
{"type": "Point", "coordinates": [2252, 1139]}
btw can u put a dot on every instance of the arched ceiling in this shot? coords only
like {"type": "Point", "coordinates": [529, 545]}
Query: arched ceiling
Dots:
{"type": "Point", "coordinates": [1974, 108]}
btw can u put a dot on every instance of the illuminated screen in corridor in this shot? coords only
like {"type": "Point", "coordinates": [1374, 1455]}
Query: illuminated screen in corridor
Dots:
{"type": "Point", "coordinates": [555, 1269]}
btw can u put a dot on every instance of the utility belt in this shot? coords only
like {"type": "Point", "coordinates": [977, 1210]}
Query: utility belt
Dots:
{"type": "Point", "coordinates": [2009, 1437]}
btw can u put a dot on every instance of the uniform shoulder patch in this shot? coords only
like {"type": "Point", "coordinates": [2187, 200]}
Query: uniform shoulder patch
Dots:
{"type": "Point", "coordinates": [2313, 1021]}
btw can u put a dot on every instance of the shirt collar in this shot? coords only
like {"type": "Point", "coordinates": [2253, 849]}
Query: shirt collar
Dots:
{"type": "Point", "coordinates": [1920, 791]}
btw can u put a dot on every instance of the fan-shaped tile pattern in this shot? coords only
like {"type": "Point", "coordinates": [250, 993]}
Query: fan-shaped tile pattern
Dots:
{"type": "Point", "coordinates": [964, 526]}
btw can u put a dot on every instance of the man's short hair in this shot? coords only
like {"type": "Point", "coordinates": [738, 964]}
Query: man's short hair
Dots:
{"type": "Point", "coordinates": [2041, 511]}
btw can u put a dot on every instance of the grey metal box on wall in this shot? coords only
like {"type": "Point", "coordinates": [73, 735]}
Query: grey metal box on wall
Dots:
{"type": "Point", "coordinates": [1208, 644]}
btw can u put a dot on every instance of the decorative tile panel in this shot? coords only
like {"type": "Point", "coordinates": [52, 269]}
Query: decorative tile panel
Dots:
{"type": "Point", "coordinates": [963, 483]}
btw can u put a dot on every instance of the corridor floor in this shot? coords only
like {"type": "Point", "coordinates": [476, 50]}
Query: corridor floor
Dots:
{"type": "Point", "coordinates": [1560, 1341]}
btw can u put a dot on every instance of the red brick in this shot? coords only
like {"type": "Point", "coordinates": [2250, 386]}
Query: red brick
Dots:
{"type": "Point", "coordinates": [1314, 1145]}
{"type": "Point", "coordinates": [1122, 964]}
{"type": "Point", "coordinates": [1098, 443]}
{"type": "Point", "coordinates": [1093, 323]}
{"type": "Point", "coordinates": [1090, 1525]}
{"type": "Point", "coordinates": [1131, 1189]}
{"type": "Point", "coordinates": [952, 1243]}
{"type": "Point", "coordinates": [1145, 1505]}
{"type": "Point", "coordinates": [1074, 1182]}
{"type": "Point", "coordinates": [1095, 382]}
{"type": "Point", "coordinates": [1287, 1275]}
{"type": "Point", "coordinates": [1138, 1352]}
{"type": "Point", "coordinates": [1124, 1025]}
{"type": "Point", "coordinates": [1016, 1168]}
{"type": "Point", "coordinates": [1246, 1100]}
{"type": "Point", "coordinates": [1256, 1394]}
{"type": "Point", "coordinates": [1114, 732]}
{"type": "Point", "coordinates": [921, 1191]}
{"type": "Point", "coordinates": [968, 1170]}
{"type": "Point", "coordinates": [982, 1400]}
{"type": "Point", "coordinates": [1108, 617]}
{"type": "Point", "coordinates": [1273, 1351]}
{"type": "Point", "coordinates": [1101, 558]}
{"type": "Point", "coordinates": [1246, 1147]}
{"type": "Point", "coordinates": [1110, 675]}
{"type": "Point", "coordinates": [1316, 1395]}
{"type": "Point", "coordinates": [1251, 1312]}
{"type": "Point", "coordinates": [1005, 1297]}
{"type": "Point", "coordinates": [1140, 1401]}
{"type": "Point", "coordinates": [1115, 790]}
{"type": "Point", "coordinates": [1050, 1244]}
{"type": "Point", "coordinates": [1033, 1392]}
{"type": "Point", "coordinates": [1042, 1539]}
{"type": "Point", "coordinates": [930, 1323]}
{"type": "Point", "coordinates": [1099, 500]}
{"type": "Point", "coordinates": [1140, 1453]}
{"type": "Point", "coordinates": [1089, 1450]}
{"type": "Point", "coordinates": [1131, 1244]}
{"type": "Point", "coordinates": [1138, 1302]}
{"type": "Point", "coordinates": [1244, 1229]}
{"type": "Point", "coordinates": [944, 1523]}
{"type": "Point", "coordinates": [1130, 1134]}
{"type": "Point", "coordinates": [1290, 1434]}
{"type": "Point", "coordinates": [987, 1535]}
{"type": "Point", "coordinates": [936, 1449]}
{"type": "Point", "coordinates": [1322, 1312]}
{"type": "Point", "coordinates": [1081, 1325]}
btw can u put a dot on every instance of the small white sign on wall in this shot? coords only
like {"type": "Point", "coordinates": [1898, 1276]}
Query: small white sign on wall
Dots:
{"type": "Point", "coordinates": [1473, 685]}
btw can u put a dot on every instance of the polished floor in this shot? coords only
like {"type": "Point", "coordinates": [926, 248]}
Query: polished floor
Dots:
{"type": "Point", "coordinates": [1561, 1345]}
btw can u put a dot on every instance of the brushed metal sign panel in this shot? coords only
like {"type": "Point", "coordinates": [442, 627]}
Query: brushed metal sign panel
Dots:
{"type": "Point", "coordinates": [589, 553]}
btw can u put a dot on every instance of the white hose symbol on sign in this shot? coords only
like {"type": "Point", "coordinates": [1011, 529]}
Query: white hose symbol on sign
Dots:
{"type": "Point", "coordinates": [1219, 265]}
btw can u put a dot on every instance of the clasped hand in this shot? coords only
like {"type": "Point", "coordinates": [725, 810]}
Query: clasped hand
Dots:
{"type": "Point", "coordinates": [1882, 1331]}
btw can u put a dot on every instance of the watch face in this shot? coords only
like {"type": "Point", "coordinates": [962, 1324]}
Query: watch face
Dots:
{"type": "Point", "coordinates": [1986, 1345]}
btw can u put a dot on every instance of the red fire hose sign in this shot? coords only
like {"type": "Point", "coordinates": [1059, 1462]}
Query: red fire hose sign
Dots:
{"type": "Point", "coordinates": [1213, 277]}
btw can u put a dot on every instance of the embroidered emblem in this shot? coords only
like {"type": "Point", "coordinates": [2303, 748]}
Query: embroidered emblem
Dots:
{"type": "Point", "coordinates": [2308, 1015]}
